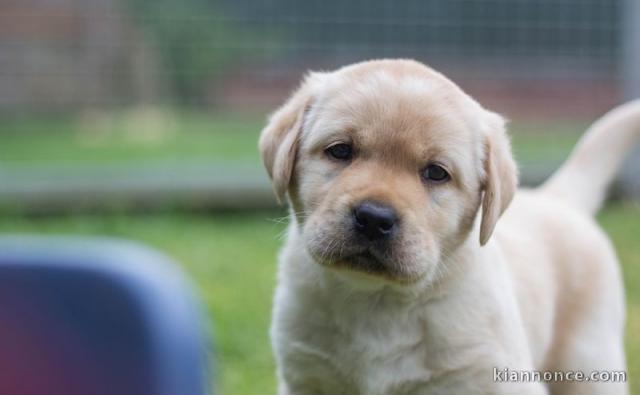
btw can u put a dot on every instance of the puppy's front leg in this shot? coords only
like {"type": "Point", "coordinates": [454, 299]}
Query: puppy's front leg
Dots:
{"type": "Point", "coordinates": [283, 389]}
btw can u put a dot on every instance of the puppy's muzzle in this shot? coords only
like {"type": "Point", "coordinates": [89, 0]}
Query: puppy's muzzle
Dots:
{"type": "Point", "coordinates": [375, 221]}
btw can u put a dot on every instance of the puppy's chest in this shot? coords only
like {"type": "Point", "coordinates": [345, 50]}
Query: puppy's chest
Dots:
{"type": "Point", "coordinates": [394, 364]}
{"type": "Point", "coordinates": [376, 354]}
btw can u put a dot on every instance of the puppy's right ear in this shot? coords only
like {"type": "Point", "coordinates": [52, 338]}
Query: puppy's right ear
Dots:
{"type": "Point", "coordinates": [279, 139]}
{"type": "Point", "coordinates": [501, 175]}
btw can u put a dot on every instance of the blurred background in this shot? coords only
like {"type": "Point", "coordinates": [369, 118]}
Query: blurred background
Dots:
{"type": "Point", "coordinates": [140, 119]}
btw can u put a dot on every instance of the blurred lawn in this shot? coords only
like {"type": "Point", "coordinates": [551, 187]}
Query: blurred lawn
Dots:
{"type": "Point", "coordinates": [130, 137]}
{"type": "Point", "coordinates": [232, 261]}
{"type": "Point", "coordinates": [231, 257]}
{"type": "Point", "coordinates": [152, 135]}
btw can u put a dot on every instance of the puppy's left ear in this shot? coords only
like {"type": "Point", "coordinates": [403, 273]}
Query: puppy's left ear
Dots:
{"type": "Point", "coordinates": [279, 139]}
{"type": "Point", "coordinates": [501, 175]}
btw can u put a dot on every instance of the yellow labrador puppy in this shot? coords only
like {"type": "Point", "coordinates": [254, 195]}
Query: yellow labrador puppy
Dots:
{"type": "Point", "coordinates": [390, 281]}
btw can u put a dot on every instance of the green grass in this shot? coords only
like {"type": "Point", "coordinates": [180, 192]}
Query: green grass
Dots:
{"type": "Point", "coordinates": [155, 135]}
{"type": "Point", "coordinates": [236, 279]}
{"type": "Point", "coordinates": [549, 140]}
{"type": "Point", "coordinates": [622, 223]}
{"type": "Point", "coordinates": [130, 137]}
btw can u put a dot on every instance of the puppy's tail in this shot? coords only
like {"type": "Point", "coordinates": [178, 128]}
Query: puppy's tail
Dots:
{"type": "Point", "coordinates": [583, 179]}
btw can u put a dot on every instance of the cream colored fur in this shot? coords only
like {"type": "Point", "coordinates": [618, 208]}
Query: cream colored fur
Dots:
{"type": "Point", "coordinates": [478, 277]}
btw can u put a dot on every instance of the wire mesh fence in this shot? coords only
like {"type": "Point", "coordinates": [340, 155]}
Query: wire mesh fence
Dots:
{"type": "Point", "coordinates": [61, 55]}
{"type": "Point", "coordinates": [67, 66]}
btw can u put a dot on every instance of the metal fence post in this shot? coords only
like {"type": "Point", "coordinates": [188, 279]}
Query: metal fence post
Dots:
{"type": "Point", "coordinates": [630, 179]}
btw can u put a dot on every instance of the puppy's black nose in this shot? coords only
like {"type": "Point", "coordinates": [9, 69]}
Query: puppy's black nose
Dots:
{"type": "Point", "coordinates": [374, 220]}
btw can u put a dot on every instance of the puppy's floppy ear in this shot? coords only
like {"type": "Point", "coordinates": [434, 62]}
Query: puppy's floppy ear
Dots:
{"type": "Point", "coordinates": [279, 139]}
{"type": "Point", "coordinates": [501, 175]}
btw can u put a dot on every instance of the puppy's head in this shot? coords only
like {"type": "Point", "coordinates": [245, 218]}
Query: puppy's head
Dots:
{"type": "Point", "coordinates": [386, 165]}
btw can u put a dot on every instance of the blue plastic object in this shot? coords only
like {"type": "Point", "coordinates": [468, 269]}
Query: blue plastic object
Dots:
{"type": "Point", "coordinates": [96, 317]}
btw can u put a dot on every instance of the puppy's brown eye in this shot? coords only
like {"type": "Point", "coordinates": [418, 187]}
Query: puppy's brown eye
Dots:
{"type": "Point", "coordinates": [435, 173]}
{"type": "Point", "coordinates": [340, 151]}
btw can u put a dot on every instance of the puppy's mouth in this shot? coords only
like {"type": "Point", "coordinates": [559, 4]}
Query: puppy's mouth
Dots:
{"type": "Point", "coordinates": [379, 264]}
{"type": "Point", "coordinates": [365, 261]}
